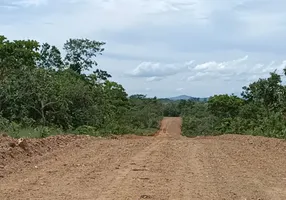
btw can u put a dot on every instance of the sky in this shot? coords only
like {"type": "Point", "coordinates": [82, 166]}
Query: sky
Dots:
{"type": "Point", "coordinates": [163, 48]}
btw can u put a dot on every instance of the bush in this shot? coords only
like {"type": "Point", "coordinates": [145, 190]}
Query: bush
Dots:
{"type": "Point", "coordinates": [193, 126]}
{"type": "Point", "coordinates": [85, 130]}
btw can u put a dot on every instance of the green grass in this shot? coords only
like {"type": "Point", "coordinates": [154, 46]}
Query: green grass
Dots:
{"type": "Point", "coordinates": [38, 132]}
{"type": "Point", "coordinates": [42, 132]}
{"type": "Point", "coordinates": [146, 132]}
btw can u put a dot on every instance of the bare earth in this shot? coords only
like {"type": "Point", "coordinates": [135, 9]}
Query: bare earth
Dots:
{"type": "Point", "coordinates": [166, 166]}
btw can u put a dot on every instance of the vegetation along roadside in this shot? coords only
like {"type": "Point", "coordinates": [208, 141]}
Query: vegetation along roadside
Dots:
{"type": "Point", "coordinates": [43, 93]}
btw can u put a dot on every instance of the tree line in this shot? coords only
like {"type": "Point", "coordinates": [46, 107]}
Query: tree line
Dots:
{"type": "Point", "coordinates": [260, 110]}
{"type": "Point", "coordinates": [43, 92]}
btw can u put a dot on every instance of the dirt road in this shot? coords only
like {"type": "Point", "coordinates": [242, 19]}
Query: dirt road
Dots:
{"type": "Point", "coordinates": [166, 166]}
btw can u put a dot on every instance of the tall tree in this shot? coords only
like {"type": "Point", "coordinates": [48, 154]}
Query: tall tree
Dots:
{"type": "Point", "coordinates": [224, 105]}
{"type": "Point", "coordinates": [50, 57]}
{"type": "Point", "coordinates": [80, 53]}
{"type": "Point", "coordinates": [268, 92]}
{"type": "Point", "coordinates": [17, 54]}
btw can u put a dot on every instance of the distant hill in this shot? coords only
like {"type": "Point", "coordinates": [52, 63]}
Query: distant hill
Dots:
{"type": "Point", "coordinates": [186, 97]}
{"type": "Point", "coordinates": [177, 98]}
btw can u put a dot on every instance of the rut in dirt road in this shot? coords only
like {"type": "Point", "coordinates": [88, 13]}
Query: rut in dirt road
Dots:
{"type": "Point", "coordinates": [167, 166]}
{"type": "Point", "coordinates": [170, 127]}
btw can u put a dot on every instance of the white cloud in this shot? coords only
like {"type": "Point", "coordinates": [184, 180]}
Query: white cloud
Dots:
{"type": "Point", "coordinates": [235, 70]}
{"type": "Point", "coordinates": [167, 34]}
{"type": "Point", "coordinates": [27, 3]}
{"type": "Point", "coordinates": [225, 66]}
{"type": "Point", "coordinates": [8, 7]}
{"type": "Point", "coordinates": [241, 70]}
{"type": "Point", "coordinates": [151, 69]}
{"type": "Point", "coordinates": [189, 64]}
{"type": "Point", "coordinates": [154, 78]}
{"type": "Point", "coordinates": [179, 89]}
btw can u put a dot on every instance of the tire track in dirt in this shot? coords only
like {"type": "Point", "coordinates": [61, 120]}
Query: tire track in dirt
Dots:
{"type": "Point", "coordinates": [197, 179]}
{"type": "Point", "coordinates": [238, 177]}
{"type": "Point", "coordinates": [157, 178]}
{"type": "Point", "coordinates": [134, 164]}
{"type": "Point", "coordinates": [170, 128]}
{"type": "Point", "coordinates": [82, 170]}
{"type": "Point", "coordinates": [167, 166]}
{"type": "Point", "coordinates": [227, 175]}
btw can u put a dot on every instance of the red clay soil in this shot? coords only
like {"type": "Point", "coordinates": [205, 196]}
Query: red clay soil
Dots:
{"type": "Point", "coordinates": [170, 127]}
{"type": "Point", "coordinates": [167, 166]}
{"type": "Point", "coordinates": [14, 150]}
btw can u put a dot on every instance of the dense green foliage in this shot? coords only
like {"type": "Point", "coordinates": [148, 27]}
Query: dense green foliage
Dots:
{"type": "Point", "coordinates": [41, 90]}
{"type": "Point", "coordinates": [260, 111]}
{"type": "Point", "coordinates": [43, 93]}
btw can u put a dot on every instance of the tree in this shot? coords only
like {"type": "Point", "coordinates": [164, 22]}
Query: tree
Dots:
{"type": "Point", "coordinates": [50, 57]}
{"type": "Point", "coordinates": [171, 110]}
{"type": "Point", "coordinates": [115, 100]}
{"type": "Point", "coordinates": [38, 86]}
{"type": "Point", "coordinates": [80, 53]}
{"type": "Point", "coordinates": [224, 105]}
{"type": "Point", "coordinates": [98, 77]}
{"type": "Point", "coordinates": [185, 105]}
{"type": "Point", "coordinates": [138, 96]}
{"type": "Point", "coordinates": [267, 92]}
{"type": "Point", "coordinates": [18, 54]}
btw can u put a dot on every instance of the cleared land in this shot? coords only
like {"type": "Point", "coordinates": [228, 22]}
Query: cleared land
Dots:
{"type": "Point", "coordinates": [166, 166]}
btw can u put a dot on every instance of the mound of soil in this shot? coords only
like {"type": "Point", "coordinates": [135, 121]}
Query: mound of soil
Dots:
{"type": "Point", "coordinates": [12, 150]}
{"type": "Point", "coordinates": [257, 142]}
{"type": "Point", "coordinates": [167, 166]}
